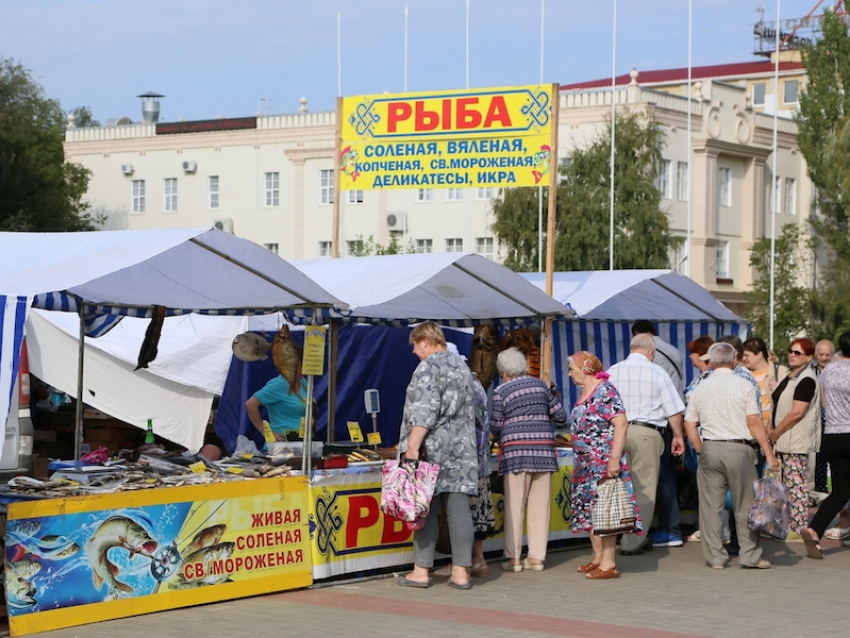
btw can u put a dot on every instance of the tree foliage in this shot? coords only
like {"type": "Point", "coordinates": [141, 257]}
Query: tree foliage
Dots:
{"type": "Point", "coordinates": [83, 117]}
{"type": "Point", "coordinates": [793, 310]}
{"type": "Point", "coordinates": [39, 190]}
{"type": "Point", "coordinates": [363, 247]}
{"type": "Point", "coordinates": [823, 122]}
{"type": "Point", "coordinates": [642, 237]}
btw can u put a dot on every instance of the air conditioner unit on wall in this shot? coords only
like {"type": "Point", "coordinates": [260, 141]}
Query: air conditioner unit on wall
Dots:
{"type": "Point", "coordinates": [127, 169]}
{"type": "Point", "coordinates": [224, 224]}
{"type": "Point", "coordinates": [190, 166]}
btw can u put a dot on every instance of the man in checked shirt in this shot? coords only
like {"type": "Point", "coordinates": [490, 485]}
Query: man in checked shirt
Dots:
{"type": "Point", "coordinates": [652, 404]}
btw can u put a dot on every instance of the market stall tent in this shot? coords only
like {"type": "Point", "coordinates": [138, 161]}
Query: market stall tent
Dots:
{"type": "Point", "coordinates": [106, 275]}
{"type": "Point", "coordinates": [607, 302]}
{"type": "Point", "coordinates": [390, 293]}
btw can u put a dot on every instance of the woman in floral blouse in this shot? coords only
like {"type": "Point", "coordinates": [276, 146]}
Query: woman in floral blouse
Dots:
{"type": "Point", "coordinates": [598, 427]}
{"type": "Point", "coordinates": [438, 425]}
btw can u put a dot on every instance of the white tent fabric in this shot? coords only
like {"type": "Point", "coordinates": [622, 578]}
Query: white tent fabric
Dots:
{"type": "Point", "coordinates": [458, 289]}
{"type": "Point", "coordinates": [608, 302]}
{"type": "Point", "coordinates": [179, 412]}
{"type": "Point", "coordinates": [126, 272]}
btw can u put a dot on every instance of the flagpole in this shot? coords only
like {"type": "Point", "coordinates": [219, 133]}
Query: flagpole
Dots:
{"type": "Point", "coordinates": [469, 190]}
{"type": "Point", "coordinates": [553, 160]}
{"type": "Point", "coordinates": [773, 188]}
{"type": "Point", "coordinates": [689, 173]}
{"type": "Point", "coordinates": [613, 133]}
{"type": "Point", "coordinates": [404, 210]}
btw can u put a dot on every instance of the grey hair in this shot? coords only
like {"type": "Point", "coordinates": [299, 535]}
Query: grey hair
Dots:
{"type": "Point", "coordinates": [722, 354]}
{"type": "Point", "coordinates": [511, 363]}
{"type": "Point", "coordinates": [642, 341]}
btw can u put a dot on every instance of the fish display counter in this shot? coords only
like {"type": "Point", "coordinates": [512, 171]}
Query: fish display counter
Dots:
{"type": "Point", "coordinates": [82, 559]}
{"type": "Point", "coordinates": [349, 534]}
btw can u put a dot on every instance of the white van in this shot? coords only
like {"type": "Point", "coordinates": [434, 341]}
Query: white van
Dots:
{"type": "Point", "coordinates": [16, 458]}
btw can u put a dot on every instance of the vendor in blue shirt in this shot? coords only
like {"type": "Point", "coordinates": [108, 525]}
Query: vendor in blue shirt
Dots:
{"type": "Point", "coordinates": [285, 409]}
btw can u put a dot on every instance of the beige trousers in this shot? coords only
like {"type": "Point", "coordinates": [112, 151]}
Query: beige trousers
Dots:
{"type": "Point", "coordinates": [643, 449]}
{"type": "Point", "coordinates": [529, 492]}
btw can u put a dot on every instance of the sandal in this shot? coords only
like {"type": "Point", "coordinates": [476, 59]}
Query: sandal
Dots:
{"type": "Point", "coordinates": [479, 570]}
{"type": "Point", "coordinates": [586, 569]}
{"type": "Point", "coordinates": [837, 533]}
{"type": "Point", "coordinates": [444, 571]}
{"type": "Point", "coordinates": [812, 546]}
{"type": "Point", "coordinates": [598, 574]}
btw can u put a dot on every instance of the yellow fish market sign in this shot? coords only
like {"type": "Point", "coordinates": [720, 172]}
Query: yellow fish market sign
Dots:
{"type": "Point", "coordinates": [449, 139]}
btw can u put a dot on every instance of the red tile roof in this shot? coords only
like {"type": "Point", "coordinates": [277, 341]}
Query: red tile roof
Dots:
{"type": "Point", "coordinates": [717, 71]}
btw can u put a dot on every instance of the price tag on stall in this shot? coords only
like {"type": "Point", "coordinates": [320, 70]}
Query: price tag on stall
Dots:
{"type": "Point", "coordinates": [354, 432]}
{"type": "Point", "coordinates": [268, 435]}
{"type": "Point", "coordinates": [301, 429]}
{"type": "Point", "coordinates": [374, 438]}
{"type": "Point", "coordinates": [198, 468]}
{"type": "Point", "coordinates": [313, 361]}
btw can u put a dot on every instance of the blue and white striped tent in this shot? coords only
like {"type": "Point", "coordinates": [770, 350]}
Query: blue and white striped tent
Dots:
{"type": "Point", "coordinates": [608, 302]}
{"type": "Point", "coordinates": [111, 274]}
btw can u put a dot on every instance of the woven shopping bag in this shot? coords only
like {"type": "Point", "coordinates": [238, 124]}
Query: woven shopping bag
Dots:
{"type": "Point", "coordinates": [614, 511]}
{"type": "Point", "coordinates": [407, 488]}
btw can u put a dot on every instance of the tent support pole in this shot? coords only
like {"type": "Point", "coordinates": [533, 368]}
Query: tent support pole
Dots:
{"type": "Point", "coordinates": [307, 450]}
{"type": "Point", "coordinates": [332, 376]}
{"type": "Point", "coordinates": [81, 355]}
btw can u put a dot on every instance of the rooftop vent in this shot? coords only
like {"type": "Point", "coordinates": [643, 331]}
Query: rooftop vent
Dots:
{"type": "Point", "coordinates": [150, 106]}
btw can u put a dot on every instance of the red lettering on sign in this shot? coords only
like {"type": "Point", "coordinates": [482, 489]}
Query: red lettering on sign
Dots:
{"type": "Point", "coordinates": [292, 516]}
{"type": "Point", "coordinates": [425, 120]}
{"type": "Point", "coordinates": [363, 512]}
{"type": "Point", "coordinates": [497, 112]}
{"type": "Point", "coordinates": [397, 112]}
{"type": "Point", "coordinates": [395, 531]}
{"type": "Point", "coordinates": [467, 118]}
{"type": "Point", "coordinates": [447, 115]}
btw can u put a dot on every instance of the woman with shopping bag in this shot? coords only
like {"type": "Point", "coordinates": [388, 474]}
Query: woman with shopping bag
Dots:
{"type": "Point", "coordinates": [603, 498]}
{"type": "Point", "coordinates": [438, 426]}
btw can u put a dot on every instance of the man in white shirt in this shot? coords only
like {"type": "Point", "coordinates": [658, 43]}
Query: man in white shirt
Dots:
{"type": "Point", "coordinates": [652, 404]}
{"type": "Point", "coordinates": [726, 408]}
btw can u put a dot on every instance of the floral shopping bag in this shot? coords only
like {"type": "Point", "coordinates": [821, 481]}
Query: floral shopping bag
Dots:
{"type": "Point", "coordinates": [407, 488]}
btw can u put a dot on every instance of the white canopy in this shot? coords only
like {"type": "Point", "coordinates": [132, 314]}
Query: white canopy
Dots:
{"type": "Point", "coordinates": [454, 288]}
{"type": "Point", "coordinates": [109, 274]}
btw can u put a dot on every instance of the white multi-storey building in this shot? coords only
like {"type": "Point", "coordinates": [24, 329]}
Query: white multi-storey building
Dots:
{"type": "Point", "coordinates": [270, 178]}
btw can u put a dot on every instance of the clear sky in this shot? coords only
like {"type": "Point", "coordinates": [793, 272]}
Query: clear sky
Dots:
{"type": "Point", "coordinates": [235, 58]}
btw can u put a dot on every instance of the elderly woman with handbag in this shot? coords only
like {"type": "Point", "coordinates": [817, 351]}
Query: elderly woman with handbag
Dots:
{"type": "Point", "coordinates": [438, 424]}
{"type": "Point", "coordinates": [524, 408]}
{"type": "Point", "coordinates": [598, 427]}
{"type": "Point", "coordinates": [796, 429]}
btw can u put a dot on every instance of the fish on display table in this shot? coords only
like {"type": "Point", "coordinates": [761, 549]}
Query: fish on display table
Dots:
{"type": "Point", "coordinates": [485, 349]}
{"type": "Point", "coordinates": [250, 347]}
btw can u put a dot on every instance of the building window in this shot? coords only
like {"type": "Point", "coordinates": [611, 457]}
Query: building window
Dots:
{"type": "Point", "coordinates": [425, 195]}
{"type": "Point", "coordinates": [272, 248]}
{"type": "Point", "coordinates": [682, 181]}
{"type": "Point", "coordinates": [454, 194]}
{"type": "Point", "coordinates": [213, 191]}
{"type": "Point", "coordinates": [326, 186]}
{"type": "Point", "coordinates": [273, 189]}
{"type": "Point", "coordinates": [170, 195]}
{"type": "Point", "coordinates": [791, 88]}
{"type": "Point", "coordinates": [454, 245]}
{"type": "Point", "coordinates": [424, 245]}
{"type": "Point", "coordinates": [355, 197]}
{"type": "Point", "coordinates": [484, 246]}
{"type": "Point", "coordinates": [790, 196]}
{"type": "Point", "coordinates": [677, 258]}
{"type": "Point", "coordinates": [324, 249]}
{"type": "Point", "coordinates": [662, 182]}
{"type": "Point", "coordinates": [724, 186]}
{"type": "Point", "coordinates": [759, 91]}
{"type": "Point", "coordinates": [722, 260]}
{"type": "Point", "coordinates": [486, 193]}
{"type": "Point", "coordinates": [138, 196]}
{"type": "Point", "coordinates": [355, 247]}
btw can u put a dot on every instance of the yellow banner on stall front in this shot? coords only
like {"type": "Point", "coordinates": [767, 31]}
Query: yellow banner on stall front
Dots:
{"type": "Point", "coordinates": [450, 139]}
{"type": "Point", "coordinates": [131, 553]}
